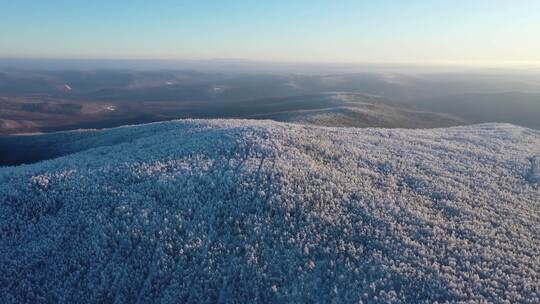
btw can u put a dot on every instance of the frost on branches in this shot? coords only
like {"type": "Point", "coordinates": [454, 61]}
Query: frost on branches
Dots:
{"type": "Point", "coordinates": [209, 211]}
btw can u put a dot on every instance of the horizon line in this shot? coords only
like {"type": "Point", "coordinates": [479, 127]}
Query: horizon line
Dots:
{"type": "Point", "coordinates": [487, 64]}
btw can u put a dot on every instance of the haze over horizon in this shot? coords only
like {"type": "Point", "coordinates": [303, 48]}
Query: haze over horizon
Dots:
{"type": "Point", "coordinates": [416, 32]}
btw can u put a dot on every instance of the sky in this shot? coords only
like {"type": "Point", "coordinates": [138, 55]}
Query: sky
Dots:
{"type": "Point", "coordinates": [382, 31]}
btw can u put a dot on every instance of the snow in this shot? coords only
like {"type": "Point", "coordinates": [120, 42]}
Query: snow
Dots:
{"type": "Point", "coordinates": [258, 211]}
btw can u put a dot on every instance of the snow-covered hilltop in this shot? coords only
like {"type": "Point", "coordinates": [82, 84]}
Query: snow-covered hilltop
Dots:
{"type": "Point", "coordinates": [259, 211]}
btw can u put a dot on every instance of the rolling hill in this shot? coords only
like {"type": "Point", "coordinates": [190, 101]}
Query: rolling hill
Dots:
{"type": "Point", "coordinates": [259, 211]}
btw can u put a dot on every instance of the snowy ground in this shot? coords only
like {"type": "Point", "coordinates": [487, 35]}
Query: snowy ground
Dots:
{"type": "Point", "coordinates": [258, 211]}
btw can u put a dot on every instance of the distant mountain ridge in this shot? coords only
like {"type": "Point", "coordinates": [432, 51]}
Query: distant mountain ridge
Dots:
{"type": "Point", "coordinates": [34, 100]}
{"type": "Point", "coordinates": [336, 109]}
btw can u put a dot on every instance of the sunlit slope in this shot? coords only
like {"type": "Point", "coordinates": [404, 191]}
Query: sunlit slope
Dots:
{"type": "Point", "coordinates": [259, 211]}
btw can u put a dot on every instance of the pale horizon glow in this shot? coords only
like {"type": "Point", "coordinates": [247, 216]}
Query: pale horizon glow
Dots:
{"type": "Point", "coordinates": [480, 32]}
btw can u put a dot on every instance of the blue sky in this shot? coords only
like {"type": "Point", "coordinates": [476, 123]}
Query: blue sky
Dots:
{"type": "Point", "coordinates": [413, 31]}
